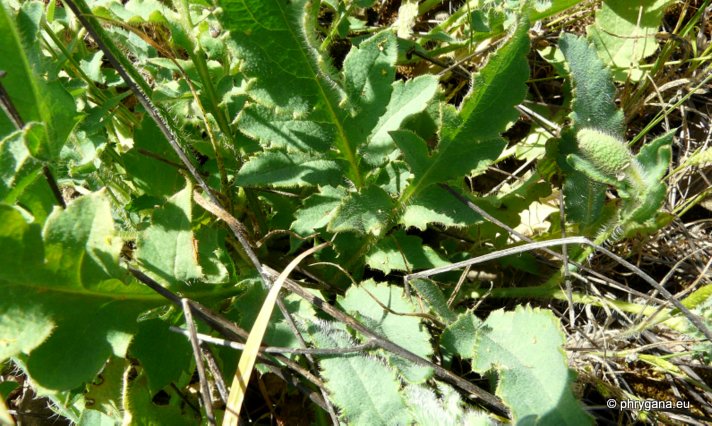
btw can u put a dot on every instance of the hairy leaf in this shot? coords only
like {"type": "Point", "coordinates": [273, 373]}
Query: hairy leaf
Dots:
{"type": "Point", "coordinates": [446, 409]}
{"type": "Point", "coordinates": [63, 281]}
{"type": "Point", "coordinates": [288, 77]}
{"type": "Point", "coordinates": [363, 387]}
{"type": "Point", "coordinates": [403, 252]}
{"type": "Point", "coordinates": [594, 94]}
{"type": "Point", "coordinates": [365, 212]}
{"type": "Point", "coordinates": [318, 210]}
{"type": "Point", "coordinates": [281, 169]}
{"type": "Point", "coordinates": [434, 298]}
{"type": "Point", "coordinates": [408, 98]}
{"type": "Point", "coordinates": [168, 248]}
{"type": "Point", "coordinates": [470, 138]}
{"type": "Point", "coordinates": [459, 337]}
{"type": "Point", "coordinates": [525, 348]}
{"type": "Point", "coordinates": [594, 108]}
{"type": "Point", "coordinates": [436, 205]}
{"type": "Point", "coordinates": [406, 331]}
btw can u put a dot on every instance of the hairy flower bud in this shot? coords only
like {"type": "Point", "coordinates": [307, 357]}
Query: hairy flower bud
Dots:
{"type": "Point", "coordinates": [607, 153]}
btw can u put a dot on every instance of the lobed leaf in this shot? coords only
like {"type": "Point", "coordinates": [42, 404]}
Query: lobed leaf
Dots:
{"type": "Point", "coordinates": [436, 205]}
{"type": "Point", "coordinates": [60, 294]}
{"type": "Point", "coordinates": [362, 387]}
{"type": "Point", "coordinates": [318, 210]}
{"type": "Point", "coordinates": [168, 249]}
{"type": "Point", "coordinates": [406, 331]}
{"type": "Point", "coordinates": [525, 348]}
{"type": "Point", "coordinates": [365, 212]}
{"type": "Point", "coordinates": [459, 337]}
{"type": "Point", "coordinates": [288, 78]}
{"type": "Point", "coordinates": [281, 169]}
{"type": "Point", "coordinates": [470, 138]}
{"type": "Point", "coordinates": [407, 99]}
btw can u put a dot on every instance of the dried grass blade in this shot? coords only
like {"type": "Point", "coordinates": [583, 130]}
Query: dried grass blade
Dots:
{"type": "Point", "coordinates": [252, 346]}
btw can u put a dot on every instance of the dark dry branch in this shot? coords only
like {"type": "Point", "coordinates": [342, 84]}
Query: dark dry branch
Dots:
{"type": "Point", "coordinates": [195, 344]}
{"type": "Point", "coordinates": [215, 371]}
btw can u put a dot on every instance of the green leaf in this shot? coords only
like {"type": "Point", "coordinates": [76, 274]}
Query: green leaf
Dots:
{"type": "Point", "coordinates": [80, 243]}
{"type": "Point", "coordinates": [403, 252]}
{"type": "Point", "coordinates": [434, 298]}
{"type": "Point", "coordinates": [393, 177]}
{"type": "Point", "coordinates": [286, 128]}
{"type": "Point", "coordinates": [459, 337]}
{"type": "Point", "coordinates": [365, 390]}
{"type": "Point", "coordinates": [299, 104]}
{"type": "Point", "coordinates": [655, 157]}
{"type": "Point", "coordinates": [105, 392]}
{"type": "Point", "coordinates": [406, 331]}
{"type": "Point", "coordinates": [168, 249]}
{"type": "Point", "coordinates": [215, 262]}
{"type": "Point", "coordinates": [153, 177]}
{"type": "Point", "coordinates": [525, 348]}
{"type": "Point", "coordinates": [365, 212]}
{"type": "Point", "coordinates": [593, 108]}
{"type": "Point", "coordinates": [164, 354]}
{"type": "Point", "coordinates": [19, 80]}
{"type": "Point", "coordinates": [624, 34]}
{"type": "Point", "coordinates": [35, 99]}
{"type": "Point", "coordinates": [368, 73]}
{"type": "Point", "coordinates": [95, 418]}
{"type": "Point", "coordinates": [436, 205]}
{"type": "Point", "coordinates": [281, 169]}
{"type": "Point", "coordinates": [594, 94]}
{"type": "Point", "coordinates": [17, 167]}
{"type": "Point", "coordinates": [470, 138]}
{"type": "Point", "coordinates": [140, 409]}
{"type": "Point", "coordinates": [296, 84]}
{"type": "Point", "coordinates": [60, 296]}
{"type": "Point", "coordinates": [318, 210]}
{"type": "Point", "coordinates": [407, 99]}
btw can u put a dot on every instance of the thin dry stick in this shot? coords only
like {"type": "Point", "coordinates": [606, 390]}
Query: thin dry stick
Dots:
{"type": "Point", "coordinates": [279, 350]}
{"type": "Point", "coordinates": [694, 319]}
{"type": "Point", "coordinates": [204, 388]}
{"type": "Point", "coordinates": [565, 253]}
{"type": "Point", "coordinates": [463, 276]}
{"type": "Point", "coordinates": [523, 237]}
{"type": "Point", "coordinates": [215, 371]}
